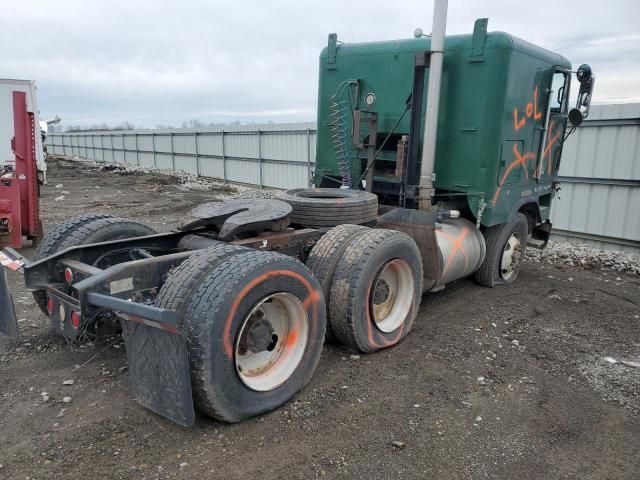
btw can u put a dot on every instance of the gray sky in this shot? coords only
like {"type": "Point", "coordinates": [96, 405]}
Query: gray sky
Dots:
{"type": "Point", "coordinates": [164, 62]}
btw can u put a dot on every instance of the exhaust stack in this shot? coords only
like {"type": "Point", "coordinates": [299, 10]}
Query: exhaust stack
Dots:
{"type": "Point", "coordinates": [427, 175]}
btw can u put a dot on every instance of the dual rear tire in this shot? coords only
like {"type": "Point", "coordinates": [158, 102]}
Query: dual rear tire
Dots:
{"type": "Point", "coordinates": [254, 324]}
{"type": "Point", "coordinates": [372, 279]}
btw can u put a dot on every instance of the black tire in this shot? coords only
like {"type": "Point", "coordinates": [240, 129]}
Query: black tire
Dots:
{"type": "Point", "coordinates": [53, 242]}
{"type": "Point", "coordinates": [328, 207]}
{"type": "Point", "coordinates": [83, 230]}
{"type": "Point", "coordinates": [355, 288]}
{"type": "Point", "coordinates": [214, 314]}
{"type": "Point", "coordinates": [489, 274]}
{"type": "Point", "coordinates": [325, 255]}
{"type": "Point", "coordinates": [181, 283]}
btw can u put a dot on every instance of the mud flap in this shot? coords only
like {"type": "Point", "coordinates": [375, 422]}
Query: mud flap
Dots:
{"type": "Point", "coordinates": [419, 225]}
{"type": "Point", "coordinates": [8, 320]}
{"type": "Point", "coordinates": [159, 371]}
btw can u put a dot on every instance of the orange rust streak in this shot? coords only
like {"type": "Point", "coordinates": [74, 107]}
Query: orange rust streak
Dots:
{"type": "Point", "coordinates": [517, 124]}
{"type": "Point", "coordinates": [227, 343]}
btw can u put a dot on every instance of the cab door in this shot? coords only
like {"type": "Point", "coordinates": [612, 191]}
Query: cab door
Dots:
{"type": "Point", "coordinates": [557, 108]}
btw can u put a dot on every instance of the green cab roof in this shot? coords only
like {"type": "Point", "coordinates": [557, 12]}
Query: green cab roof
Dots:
{"type": "Point", "coordinates": [494, 40]}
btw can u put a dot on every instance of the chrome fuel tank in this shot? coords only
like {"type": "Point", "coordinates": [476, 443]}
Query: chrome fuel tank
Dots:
{"type": "Point", "coordinates": [462, 249]}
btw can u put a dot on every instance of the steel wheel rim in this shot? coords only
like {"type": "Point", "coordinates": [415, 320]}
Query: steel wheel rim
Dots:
{"type": "Point", "coordinates": [264, 368]}
{"type": "Point", "coordinates": [511, 257]}
{"type": "Point", "coordinates": [392, 295]}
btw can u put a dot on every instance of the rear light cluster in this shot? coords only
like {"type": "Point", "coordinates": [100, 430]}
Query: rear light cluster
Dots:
{"type": "Point", "coordinates": [68, 275]}
{"type": "Point", "coordinates": [75, 317]}
{"type": "Point", "coordinates": [51, 305]}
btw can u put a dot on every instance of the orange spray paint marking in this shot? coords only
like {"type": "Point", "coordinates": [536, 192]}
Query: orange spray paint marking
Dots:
{"type": "Point", "coordinates": [384, 342]}
{"type": "Point", "coordinates": [536, 114]}
{"type": "Point", "coordinates": [312, 299]}
{"type": "Point", "coordinates": [529, 109]}
{"type": "Point", "coordinates": [519, 160]}
{"type": "Point", "coordinates": [457, 247]}
{"type": "Point", "coordinates": [292, 338]}
{"type": "Point", "coordinates": [517, 124]}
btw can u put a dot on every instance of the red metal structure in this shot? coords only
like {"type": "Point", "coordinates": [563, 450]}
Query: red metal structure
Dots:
{"type": "Point", "coordinates": [19, 193]}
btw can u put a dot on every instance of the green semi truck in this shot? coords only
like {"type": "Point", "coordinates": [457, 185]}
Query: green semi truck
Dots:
{"type": "Point", "coordinates": [436, 160]}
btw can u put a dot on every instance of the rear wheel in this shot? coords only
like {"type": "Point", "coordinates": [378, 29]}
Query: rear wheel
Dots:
{"type": "Point", "coordinates": [82, 230]}
{"type": "Point", "coordinates": [506, 245]}
{"type": "Point", "coordinates": [255, 324]}
{"type": "Point", "coordinates": [325, 255]}
{"type": "Point", "coordinates": [376, 290]}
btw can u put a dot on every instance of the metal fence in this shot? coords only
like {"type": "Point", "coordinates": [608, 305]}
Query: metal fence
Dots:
{"type": "Point", "coordinates": [599, 200]}
{"type": "Point", "coordinates": [275, 156]}
{"type": "Point", "coordinates": [599, 203]}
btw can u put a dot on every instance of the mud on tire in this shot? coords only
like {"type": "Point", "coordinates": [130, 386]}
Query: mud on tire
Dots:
{"type": "Point", "coordinates": [376, 290]}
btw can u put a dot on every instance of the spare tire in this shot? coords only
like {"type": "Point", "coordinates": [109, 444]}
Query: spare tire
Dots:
{"type": "Point", "coordinates": [328, 207]}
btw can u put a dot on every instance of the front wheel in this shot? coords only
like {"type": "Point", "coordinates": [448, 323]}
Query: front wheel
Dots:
{"type": "Point", "coordinates": [506, 244]}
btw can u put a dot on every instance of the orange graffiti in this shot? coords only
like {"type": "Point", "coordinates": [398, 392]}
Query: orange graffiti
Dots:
{"type": "Point", "coordinates": [519, 160]}
{"type": "Point", "coordinates": [536, 115]}
{"type": "Point", "coordinates": [457, 247]}
{"type": "Point", "coordinates": [531, 111]}
{"type": "Point", "coordinates": [311, 300]}
{"type": "Point", "coordinates": [376, 338]}
{"type": "Point", "coordinates": [551, 140]}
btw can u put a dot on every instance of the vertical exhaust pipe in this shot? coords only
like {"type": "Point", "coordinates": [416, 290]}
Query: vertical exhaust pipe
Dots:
{"type": "Point", "coordinates": [427, 174]}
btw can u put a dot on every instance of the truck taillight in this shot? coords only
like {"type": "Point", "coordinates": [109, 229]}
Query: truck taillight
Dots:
{"type": "Point", "coordinates": [75, 319]}
{"type": "Point", "coordinates": [68, 275]}
{"type": "Point", "coordinates": [50, 305]}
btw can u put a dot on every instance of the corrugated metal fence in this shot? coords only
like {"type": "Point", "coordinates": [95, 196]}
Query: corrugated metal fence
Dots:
{"type": "Point", "coordinates": [600, 172]}
{"type": "Point", "coordinates": [275, 156]}
{"type": "Point", "coordinates": [599, 200]}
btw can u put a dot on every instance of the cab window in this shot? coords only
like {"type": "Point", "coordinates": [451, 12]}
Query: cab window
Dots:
{"type": "Point", "coordinates": [559, 91]}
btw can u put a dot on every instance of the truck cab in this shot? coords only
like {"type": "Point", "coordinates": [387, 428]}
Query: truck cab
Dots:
{"type": "Point", "coordinates": [503, 117]}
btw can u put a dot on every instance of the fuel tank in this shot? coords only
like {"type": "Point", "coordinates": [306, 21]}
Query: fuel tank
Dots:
{"type": "Point", "coordinates": [461, 247]}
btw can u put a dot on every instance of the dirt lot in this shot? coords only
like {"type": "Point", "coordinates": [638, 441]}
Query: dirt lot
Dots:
{"type": "Point", "coordinates": [504, 383]}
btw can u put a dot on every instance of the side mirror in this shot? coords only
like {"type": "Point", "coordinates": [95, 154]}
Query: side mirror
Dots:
{"type": "Point", "coordinates": [575, 117]}
{"type": "Point", "coordinates": [587, 80]}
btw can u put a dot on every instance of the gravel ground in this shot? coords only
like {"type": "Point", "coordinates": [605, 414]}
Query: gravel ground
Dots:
{"type": "Point", "coordinates": [535, 380]}
{"type": "Point", "coordinates": [567, 254]}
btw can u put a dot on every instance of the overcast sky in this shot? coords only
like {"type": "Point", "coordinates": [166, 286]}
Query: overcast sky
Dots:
{"type": "Point", "coordinates": [164, 62]}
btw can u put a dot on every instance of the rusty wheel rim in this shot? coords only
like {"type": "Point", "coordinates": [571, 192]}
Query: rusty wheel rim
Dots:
{"type": "Point", "coordinates": [271, 342]}
{"type": "Point", "coordinates": [511, 255]}
{"type": "Point", "coordinates": [392, 295]}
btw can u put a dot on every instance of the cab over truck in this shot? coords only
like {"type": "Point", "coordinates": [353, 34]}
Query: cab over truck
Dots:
{"type": "Point", "coordinates": [436, 160]}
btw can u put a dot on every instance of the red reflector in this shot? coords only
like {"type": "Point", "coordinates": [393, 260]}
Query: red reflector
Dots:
{"type": "Point", "coordinates": [50, 305]}
{"type": "Point", "coordinates": [75, 319]}
{"type": "Point", "coordinates": [68, 275]}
